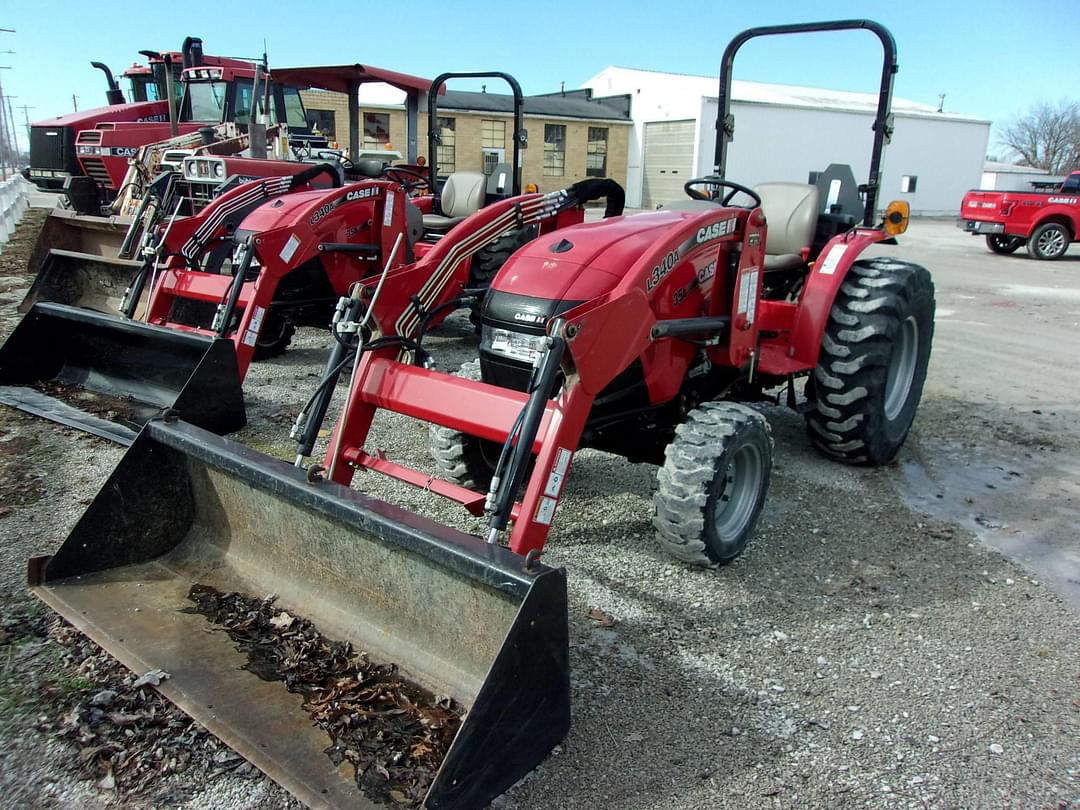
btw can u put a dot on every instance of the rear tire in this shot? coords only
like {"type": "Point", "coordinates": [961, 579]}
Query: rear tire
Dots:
{"type": "Point", "coordinates": [274, 337]}
{"type": "Point", "coordinates": [873, 361]}
{"type": "Point", "coordinates": [1049, 241]}
{"type": "Point", "coordinates": [712, 487]}
{"type": "Point", "coordinates": [1004, 245]}
{"type": "Point", "coordinates": [460, 458]}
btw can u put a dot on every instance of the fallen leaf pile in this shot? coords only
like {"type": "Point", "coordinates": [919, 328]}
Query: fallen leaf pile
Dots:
{"type": "Point", "coordinates": [393, 733]}
{"type": "Point", "coordinates": [128, 735]}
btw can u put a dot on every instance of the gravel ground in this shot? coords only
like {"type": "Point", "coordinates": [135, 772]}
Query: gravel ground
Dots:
{"type": "Point", "coordinates": [870, 649]}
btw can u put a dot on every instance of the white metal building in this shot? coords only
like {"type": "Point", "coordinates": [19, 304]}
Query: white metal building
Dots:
{"type": "Point", "coordinates": [1008, 177]}
{"type": "Point", "coordinates": [784, 132]}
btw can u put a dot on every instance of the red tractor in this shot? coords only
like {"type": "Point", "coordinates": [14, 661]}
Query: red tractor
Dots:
{"type": "Point", "coordinates": [643, 335]}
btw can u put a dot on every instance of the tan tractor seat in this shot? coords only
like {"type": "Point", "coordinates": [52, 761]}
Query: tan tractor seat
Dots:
{"type": "Point", "coordinates": [462, 195]}
{"type": "Point", "coordinates": [791, 211]}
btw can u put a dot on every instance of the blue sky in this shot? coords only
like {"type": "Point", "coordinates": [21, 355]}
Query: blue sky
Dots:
{"type": "Point", "coordinates": [991, 58]}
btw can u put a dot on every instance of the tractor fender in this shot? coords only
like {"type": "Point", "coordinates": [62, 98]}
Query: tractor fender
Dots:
{"type": "Point", "coordinates": [829, 271]}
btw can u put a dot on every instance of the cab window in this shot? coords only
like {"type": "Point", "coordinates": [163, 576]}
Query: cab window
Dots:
{"type": "Point", "coordinates": [205, 101]}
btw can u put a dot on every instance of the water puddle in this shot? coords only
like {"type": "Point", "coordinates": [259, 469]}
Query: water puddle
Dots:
{"type": "Point", "coordinates": [1027, 507]}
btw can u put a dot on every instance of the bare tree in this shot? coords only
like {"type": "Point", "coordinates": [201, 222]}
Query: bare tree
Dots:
{"type": "Point", "coordinates": [1047, 136]}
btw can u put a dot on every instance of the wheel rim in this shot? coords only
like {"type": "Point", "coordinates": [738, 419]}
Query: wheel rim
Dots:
{"type": "Point", "coordinates": [738, 498]}
{"type": "Point", "coordinates": [902, 368]}
{"type": "Point", "coordinates": [1051, 241]}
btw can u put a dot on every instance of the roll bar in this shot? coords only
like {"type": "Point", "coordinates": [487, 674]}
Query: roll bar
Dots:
{"type": "Point", "coordinates": [725, 121]}
{"type": "Point", "coordinates": [519, 114]}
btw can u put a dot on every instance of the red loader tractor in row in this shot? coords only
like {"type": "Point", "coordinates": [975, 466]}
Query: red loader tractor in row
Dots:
{"type": "Point", "coordinates": [644, 335]}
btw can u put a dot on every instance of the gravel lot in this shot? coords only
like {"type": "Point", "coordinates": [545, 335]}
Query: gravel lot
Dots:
{"type": "Point", "coordinates": [873, 648]}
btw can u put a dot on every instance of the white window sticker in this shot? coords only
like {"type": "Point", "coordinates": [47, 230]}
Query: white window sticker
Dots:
{"type": "Point", "coordinates": [744, 288]}
{"type": "Point", "coordinates": [546, 511]}
{"type": "Point", "coordinates": [250, 336]}
{"type": "Point", "coordinates": [290, 248]}
{"type": "Point", "coordinates": [562, 461]}
{"type": "Point", "coordinates": [388, 214]}
{"type": "Point", "coordinates": [257, 318]}
{"type": "Point", "coordinates": [751, 281]}
{"type": "Point", "coordinates": [828, 267]}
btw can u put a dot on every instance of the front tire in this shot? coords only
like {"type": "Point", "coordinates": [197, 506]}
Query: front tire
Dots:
{"type": "Point", "coordinates": [872, 365]}
{"type": "Point", "coordinates": [274, 338]}
{"type": "Point", "coordinates": [488, 261]}
{"type": "Point", "coordinates": [1049, 241]}
{"type": "Point", "coordinates": [460, 458]}
{"type": "Point", "coordinates": [1004, 245]}
{"type": "Point", "coordinates": [712, 487]}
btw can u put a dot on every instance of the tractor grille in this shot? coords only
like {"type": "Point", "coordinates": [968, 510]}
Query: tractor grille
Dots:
{"type": "Point", "coordinates": [89, 137]}
{"type": "Point", "coordinates": [95, 167]}
{"type": "Point", "coordinates": [53, 148]}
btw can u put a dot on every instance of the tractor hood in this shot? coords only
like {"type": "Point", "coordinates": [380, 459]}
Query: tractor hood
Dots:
{"type": "Point", "coordinates": [577, 263]}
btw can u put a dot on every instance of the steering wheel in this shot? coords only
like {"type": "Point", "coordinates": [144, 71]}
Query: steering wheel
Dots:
{"type": "Point", "coordinates": [717, 183]}
{"type": "Point", "coordinates": [397, 173]}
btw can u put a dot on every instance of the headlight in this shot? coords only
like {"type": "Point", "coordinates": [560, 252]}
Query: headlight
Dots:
{"type": "Point", "coordinates": [513, 345]}
{"type": "Point", "coordinates": [219, 170]}
{"type": "Point", "coordinates": [89, 150]}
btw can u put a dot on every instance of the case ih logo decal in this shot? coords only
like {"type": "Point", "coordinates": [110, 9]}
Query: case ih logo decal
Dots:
{"type": "Point", "coordinates": [703, 275]}
{"type": "Point", "coordinates": [704, 234]}
{"type": "Point", "coordinates": [1063, 200]}
{"type": "Point", "coordinates": [125, 151]}
{"type": "Point", "coordinates": [716, 230]}
{"type": "Point", "coordinates": [153, 118]}
{"type": "Point", "coordinates": [356, 194]}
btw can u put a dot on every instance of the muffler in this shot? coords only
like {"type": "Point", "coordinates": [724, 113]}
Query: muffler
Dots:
{"type": "Point", "coordinates": [457, 616]}
{"type": "Point", "coordinates": [108, 375]}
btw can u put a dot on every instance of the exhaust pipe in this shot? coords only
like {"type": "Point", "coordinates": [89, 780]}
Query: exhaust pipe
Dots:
{"type": "Point", "coordinates": [114, 95]}
{"type": "Point", "coordinates": [457, 616]}
{"type": "Point", "coordinates": [192, 52]}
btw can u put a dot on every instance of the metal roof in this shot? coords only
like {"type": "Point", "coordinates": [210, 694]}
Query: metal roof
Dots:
{"type": "Point", "coordinates": [573, 104]}
{"type": "Point", "coordinates": [339, 78]}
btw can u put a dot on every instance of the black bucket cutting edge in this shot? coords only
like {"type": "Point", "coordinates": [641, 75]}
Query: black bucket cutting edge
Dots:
{"type": "Point", "coordinates": [118, 370]}
{"type": "Point", "coordinates": [457, 615]}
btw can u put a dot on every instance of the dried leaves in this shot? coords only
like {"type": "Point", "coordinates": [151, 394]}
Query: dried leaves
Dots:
{"type": "Point", "coordinates": [127, 735]}
{"type": "Point", "coordinates": [393, 733]}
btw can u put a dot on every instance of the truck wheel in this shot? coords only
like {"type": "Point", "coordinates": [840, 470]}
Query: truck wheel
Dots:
{"type": "Point", "coordinates": [712, 486]}
{"type": "Point", "coordinates": [460, 458]}
{"type": "Point", "coordinates": [1004, 245]}
{"type": "Point", "coordinates": [488, 261]}
{"type": "Point", "coordinates": [1049, 241]}
{"type": "Point", "coordinates": [274, 337]}
{"type": "Point", "coordinates": [872, 363]}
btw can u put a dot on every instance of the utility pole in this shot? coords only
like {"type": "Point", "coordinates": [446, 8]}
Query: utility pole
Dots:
{"type": "Point", "coordinates": [5, 147]}
{"type": "Point", "coordinates": [26, 118]}
{"type": "Point", "coordinates": [14, 134]}
{"type": "Point", "coordinates": [75, 102]}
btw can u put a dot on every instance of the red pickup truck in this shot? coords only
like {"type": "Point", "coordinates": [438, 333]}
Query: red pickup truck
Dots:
{"type": "Point", "coordinates": [1045, 221]}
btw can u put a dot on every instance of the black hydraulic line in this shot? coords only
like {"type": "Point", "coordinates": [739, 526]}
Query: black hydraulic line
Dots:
{"type": "Point", "coordinates": [239, 277]}
{"type": "Point", "coordinates": [546, 378]}
{"type": "Point", "coordinates": [725, 121]}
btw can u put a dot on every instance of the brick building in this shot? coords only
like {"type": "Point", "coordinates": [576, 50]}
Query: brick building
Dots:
{"type": "Point", "coordinates": [571, 135]}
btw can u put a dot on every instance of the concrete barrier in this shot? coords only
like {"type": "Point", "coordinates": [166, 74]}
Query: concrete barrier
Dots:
{"type": "Point", "coordinates": [14, 200]}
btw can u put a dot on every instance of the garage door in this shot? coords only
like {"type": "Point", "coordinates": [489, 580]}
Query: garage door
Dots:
{"type": "Point", "coordinates": [669, 160]}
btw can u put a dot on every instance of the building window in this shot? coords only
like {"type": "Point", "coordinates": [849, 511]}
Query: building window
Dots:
{"type": "Point", "coordinates": [907, 184]}
{"type": "Point", "coordinates": [376, 130]}
{"type": "Point", "coordinates": [323, 121]}
{"type": "Point", "coordinates": [492, 134]}
{"type": "Point", "coordinates": [596, 152]}
{"type": "Point", "coordinates": [554, 150]}
{"type": "Point", "coordinates": [445, 154]}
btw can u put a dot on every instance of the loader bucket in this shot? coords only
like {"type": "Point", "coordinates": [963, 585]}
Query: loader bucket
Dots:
{"type": "Point", "coordinates": [457, 616]}
{"type": "Point", "coordinates": [78, 233]}
{"type": "Point", "coordinates": [81, 280]}
{"type": "Point", "coordinates": [75, 367]}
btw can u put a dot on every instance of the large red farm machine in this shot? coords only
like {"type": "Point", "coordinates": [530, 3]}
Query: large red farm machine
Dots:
{"type": "Point", "coordinates": [644, 335]}
{"type": "Point", "coordinates": [229, 285]}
